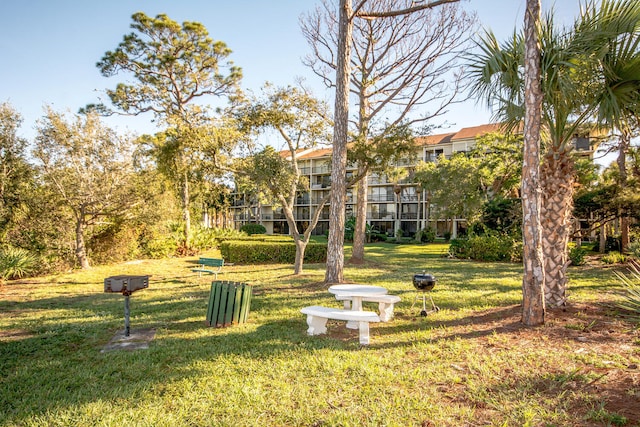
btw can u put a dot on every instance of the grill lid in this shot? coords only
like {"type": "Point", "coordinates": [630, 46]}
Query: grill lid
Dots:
{"type": "Point", "coordinates": [424, 282]}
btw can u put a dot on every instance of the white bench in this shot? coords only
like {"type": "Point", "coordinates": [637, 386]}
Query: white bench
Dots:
{"type": "Point", "coordinates": [385, 304]}
{"type": "Point", "coordinates": [317, 317]}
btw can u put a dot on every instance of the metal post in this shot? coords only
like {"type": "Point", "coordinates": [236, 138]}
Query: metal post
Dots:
{"type": "Point", "coordinates": [126, 314]}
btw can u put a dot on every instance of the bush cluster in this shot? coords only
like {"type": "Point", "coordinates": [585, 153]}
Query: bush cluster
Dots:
{"type": "Point", "coordinates": [253, 229]}
{"type": "Point", "coordinates": [576, 255]}
{"type": "Point", "coordinates": [487, 248]}
{"type": "Point", "coordinates": [426, 235]}
{"type": "Point", "coordinates": [614, 257]}
{"type": "Point", "coordinates": [272, 251]}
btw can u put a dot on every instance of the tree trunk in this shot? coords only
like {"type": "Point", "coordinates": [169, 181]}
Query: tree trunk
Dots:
{"type": "Point", "coordinates": [81, 251]}
{"type": "Point", "coordinates": [186, 215]}
{"type": "Point", "coordinates": [301, 246]}
{"type": "Point", "coordinates": [622, 167]}
{"type": "Point", "coordinates": [398, 223]}
{"type": "Point", "coordinates": [335, 244]}
{"type": "Point", "coordinates": [557, 205]}
{"type": "Point", "coordinates": [360, 232]}
{"type": "Point", "coordinates": [602, 246]}
{"type": "Point", "coordinates": [533, 279]}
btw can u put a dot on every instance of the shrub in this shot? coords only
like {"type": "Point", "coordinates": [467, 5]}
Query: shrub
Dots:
{"type": "Point", "coordinates": [614, 257]}
{"type": "Point", "coordinates": [16, 263]}
{"type": "Point", "coordinates": [378, 237]}
{"type": "Point", "coordinates": [113, 243]}
{"type": "Point", "coordinates": [426, 235]}
{"type": "Point", "coordinates": [576, 255]}
{"type": "Point", "coordinates": [447, 236]}
{"type": "Point", "coordinates": [487, 248]}
{"type": "Point", "coordinates": [204, 238]}
{"type": "Point", "coordinates": [459, 248]}
{"type": "Point", "coordinates": [253, 229]}
{"type": "Point", "coordinates": [630, 281]}
{"type": "Point", "coordinates": [612, 244]}
{"type": "Point", "coordinates": [247, 252]}
{"type": "Point", "coordinates": [634, 249]}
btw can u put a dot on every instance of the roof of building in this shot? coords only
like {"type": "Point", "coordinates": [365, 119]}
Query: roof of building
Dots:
{"type": "Point", "coordinates": [443, 138]}
{"type": "Point", "coordinates": [322, 152]}
{"type": "Point", "coordinates": [476, 131]}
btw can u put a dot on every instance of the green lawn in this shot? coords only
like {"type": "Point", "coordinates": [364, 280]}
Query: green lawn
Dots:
{"type": "Point", "coordinates": [460, 366]}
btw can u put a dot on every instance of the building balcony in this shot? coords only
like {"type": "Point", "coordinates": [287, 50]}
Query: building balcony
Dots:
{"type": "Point", "coordinates": [382, 215]}
{"type": "Point", "coordinates": [381, 198]}
{"type": "Point", "coordinates": [321, 170]}
{"type": "Point", "coordinates": [409, 215]}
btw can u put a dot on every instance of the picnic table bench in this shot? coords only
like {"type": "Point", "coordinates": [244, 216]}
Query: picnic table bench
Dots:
{"type": "Point", "coordinates": [317, 317]}
{"type": "Point", "coordinates": [385, 303]}
{"type": "Point", "coordinates": [209, 266]}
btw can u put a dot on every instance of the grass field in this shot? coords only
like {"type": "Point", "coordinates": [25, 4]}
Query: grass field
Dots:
{"type": "Point", "coordinates": [470, 364]}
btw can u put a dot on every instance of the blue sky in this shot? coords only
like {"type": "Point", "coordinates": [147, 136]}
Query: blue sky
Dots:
{"type": "Point", "coordinates": [50, 47]}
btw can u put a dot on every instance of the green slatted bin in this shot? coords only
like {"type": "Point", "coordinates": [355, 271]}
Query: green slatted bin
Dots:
{"type": "Point", "coordinates": [229, 303]}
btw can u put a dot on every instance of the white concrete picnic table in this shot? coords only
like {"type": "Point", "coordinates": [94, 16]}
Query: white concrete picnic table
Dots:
{"type": "Point", "coordinates": [356, 292]}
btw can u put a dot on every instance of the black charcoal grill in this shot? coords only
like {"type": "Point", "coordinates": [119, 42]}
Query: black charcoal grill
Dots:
{"type": "Point", "coordinates": [425, 283]}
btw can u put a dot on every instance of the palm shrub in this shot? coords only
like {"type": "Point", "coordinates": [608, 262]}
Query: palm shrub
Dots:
{"type": "Point", "coordinates": [630, 281]}
{"type": "Point", "coordinates": [614, 257]}
{"type": "Point", "coordinates": [16, 263]}
{"type": "Point", "coordinates": [634, 249]}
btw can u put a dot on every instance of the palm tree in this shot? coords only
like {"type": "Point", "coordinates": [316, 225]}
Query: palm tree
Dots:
{"type": "Point", "coordinates": [572, 82]}
{"type": "Point", "coordinates": [619, 104]}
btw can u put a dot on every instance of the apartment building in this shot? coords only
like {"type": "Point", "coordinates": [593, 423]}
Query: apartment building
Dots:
{"type": "Point", "coordinates": [387, 210]}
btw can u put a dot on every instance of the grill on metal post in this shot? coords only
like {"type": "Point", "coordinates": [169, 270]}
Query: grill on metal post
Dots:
{"type": "Point", "coordinates": [126, 285]}
{"type": "Point", "coordinates": [425, 283]}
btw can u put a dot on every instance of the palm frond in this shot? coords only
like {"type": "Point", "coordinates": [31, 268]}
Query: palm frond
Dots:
{"type": "Point", "coordinates": [630, 281]}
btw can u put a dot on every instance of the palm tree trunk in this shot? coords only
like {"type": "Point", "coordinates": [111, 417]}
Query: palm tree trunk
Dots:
{"type": "Point", "coordinates": [533, 279]}
{"type": "Point", "coordinates": [557, 205]}
{"type": "Point", "coordinates": [625, 139]}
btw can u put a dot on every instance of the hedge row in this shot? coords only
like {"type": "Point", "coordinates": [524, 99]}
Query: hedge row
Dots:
{"type": "Point", "coordinates": [244, 252]}
{"type": "Point", "coordinates": [257, 238]}
{"type": "Point", "coordinates": [487, 248]}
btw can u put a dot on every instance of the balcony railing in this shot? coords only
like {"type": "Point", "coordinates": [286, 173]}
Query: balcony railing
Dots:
{"type": "Point", "coordinates": [382, 215]}
{"type": "Point", "coordinates": [409, 215]}
{"type": "Point", "coordinates": [381, 198]}
{"type": "Point", "coordinates": [321, 169]}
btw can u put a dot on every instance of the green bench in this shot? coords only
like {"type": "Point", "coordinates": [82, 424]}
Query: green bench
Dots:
{"type": "Point", "coordinates": [209, 266]}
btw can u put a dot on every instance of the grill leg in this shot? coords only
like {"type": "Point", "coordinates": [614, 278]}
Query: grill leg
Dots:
{"type": "Point", "coordinates": [126, 316]}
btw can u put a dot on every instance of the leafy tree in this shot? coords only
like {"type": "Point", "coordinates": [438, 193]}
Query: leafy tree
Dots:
{"type": "Point", "coordinates": [16, 174]}
{"type": "Point", "coordinates": [174, 67]}
{"type": "Point", "coordinates": [499, 158]}
{"type": "Point", "coordinates": [88, 166]}
{"type": "Point", "coordinates": [301, 121]}
{"type": "Point", "coordinates": [455, 185]}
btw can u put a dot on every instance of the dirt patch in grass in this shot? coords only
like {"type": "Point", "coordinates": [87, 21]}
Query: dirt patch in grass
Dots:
{"type": "Point", "coordinates": [602, 348]}
{"type": "Point", "coordinates": [610, 345]}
